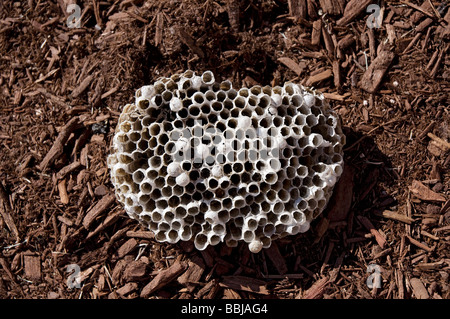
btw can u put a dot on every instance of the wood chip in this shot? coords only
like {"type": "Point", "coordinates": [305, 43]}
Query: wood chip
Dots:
{"type": "Point", "coordinates": [163, 278]}
{"type": "Point", "coordinates": [42, 78]}
{"type": "Point", "coordinates": [382, 253]}
{"type": "Point", "coordinates": [298, 8]}
{"type": "Point", "coordinates": [127, 288]}
{"type": "Point", "coordinates": [291, 64]}
{"type": "Point", "coordinates": [211, 286]}
{"type": "Point", "coordinates": [67, 169]}
{"type": "Point", "coordinates": [353, 9]}
{"type": "Point", "coordinates": [346, 41]}
{"type": "Point", "coordinates": [58, 147]}
{"type": "Point", "coordinates": [372, 43]}
{"type": "Point", "coordinates": [431, 266]}
{"type": "Point", "coordinates": [419, 289]}
{"type": "Point", "coordinates": [32, 267]}
{"type": "Point", "coordinates": [445, 207]}
{"type": "Point", "coordinates": [316, 291]}
{"type": "Point", "coordinates": [144, 234]}
{"type": "Point", "coordinates": [101, 190]}
{"type": "Point", "coordinates": [333, 7]}
{"type": "Point", "coordinates": [426, 130]}
{"type": "Point", "coordinates": [412, 43]}
{"type": "Point", "coordinates": [371, 79]}
{"type": "Point", "coordinates": [5, 211]}
{"type": "Point", "coordinates": [444, 228]}
{"type": "Point", "coordinates": [312, 55]}
{"type": "Point", "coordinates": [396, 216]}
{"type": "Point", "coordinates": [334, 96]}
{"type": "Point", "coordinates": [419, 244]}
{"type": "Point", "coordinates": [108, 221]}
{"type": "Point", "coordinates": [7, 270]}
{"type": "Point", "coordinates": [327, 39]}
{"type": "Point", "coordinates": [109, 92]}
{"type": "Point", "coordinates": [82, 86]}
{"type": "Point", "coordinates": [337, 74]}
{"type": "Point", "coordinates": [424, 193]}
{"type": "Point", "coordinates": [400, 283]}
{"type": "Point", "coordinates": [433, 74]}
{"type": "Point", "coordinates": [434, 148]}
{"type": "Point", "coordinates": [101, 206]}
{"type": "Point", "coordinates": [319, 77]}
{"type": "Point", "coordinates": [65, 220]}
{"type": "Point", "coordinates": [193, 273]}
{"type": "Point", "coordinates": [443, 144]}
{"type": "Point", "coordinates": [369, 226]}
{"type": "Point", "coordinates": [53, 98]}
{"type": "Point", "coordinates": [117, 271]}
{"type": "Point", "coordinates": [444, 31]}
{"type": "Point", "coordinates": [391, 35]}
{"type": "Point", "coordinates": [427, 234]}
{"type": "Point", "coordinates": [245, 284]}
{"type": "Point", "coordinates": [230, 294]}
{"type": "Point", "coordinates": [63, 192]}
{"type": "Point", "coordinates": [137, 17]}
{"type": "Point", "coordinates": [135, 271]}
{"type": "Point", "coordinates": [159, 28]}
{"type": "Point", "coordinates": [127, 247]}
{"type": "Point", "coordinates": [316, 32]}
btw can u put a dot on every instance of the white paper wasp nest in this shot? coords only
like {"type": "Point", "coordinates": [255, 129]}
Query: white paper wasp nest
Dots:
{"type": "Point", "coordinates": [194, 159]}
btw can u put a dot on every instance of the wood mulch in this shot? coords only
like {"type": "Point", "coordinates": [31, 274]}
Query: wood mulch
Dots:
{"type": "Point", "coordinates": [385, 233]}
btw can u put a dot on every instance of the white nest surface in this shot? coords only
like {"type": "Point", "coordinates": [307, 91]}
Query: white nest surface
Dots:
{"type": "Point", "coordinates": [194, 159]}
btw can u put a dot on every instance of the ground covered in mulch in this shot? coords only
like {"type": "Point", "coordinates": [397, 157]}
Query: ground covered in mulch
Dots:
{"type": "Point", "coordinates": [385, 233]}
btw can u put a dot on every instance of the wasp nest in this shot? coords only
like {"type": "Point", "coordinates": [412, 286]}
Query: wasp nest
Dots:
{"type": "Point", "coordinates": [198, 160]}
